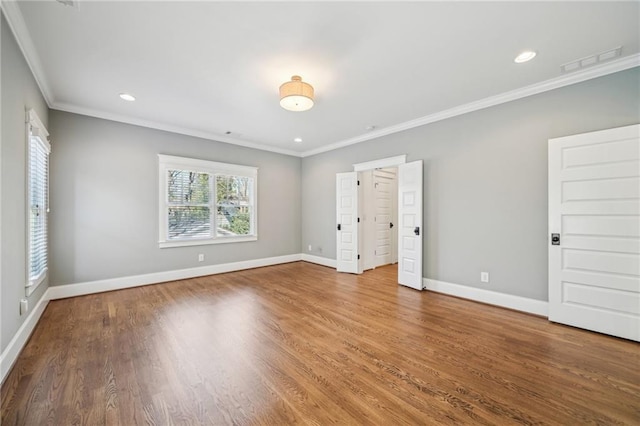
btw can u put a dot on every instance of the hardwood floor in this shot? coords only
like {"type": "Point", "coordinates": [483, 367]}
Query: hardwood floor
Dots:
{"type": "Point", "coordinates": [300, 344]}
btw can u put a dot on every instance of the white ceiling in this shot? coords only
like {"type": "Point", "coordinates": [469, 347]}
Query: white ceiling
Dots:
{"type": "Point", "coordinates": [206, 68]}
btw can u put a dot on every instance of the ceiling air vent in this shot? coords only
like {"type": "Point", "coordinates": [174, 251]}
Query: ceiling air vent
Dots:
{"type": "Point", "coordinates": [591, 60]}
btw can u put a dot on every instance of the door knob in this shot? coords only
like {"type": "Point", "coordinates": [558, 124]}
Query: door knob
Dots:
{"type": "Point", "coordinates": [417, 230]}
{"type": "Point", "coordinates": [390, 224]}
{"type": "Point", "coordinates": [339, 227]}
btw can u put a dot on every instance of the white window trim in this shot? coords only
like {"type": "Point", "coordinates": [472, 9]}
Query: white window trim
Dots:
{"type": "Point", "coordinates": [170, 162]}
{"type": "Point", "coordinates": [34, 128]}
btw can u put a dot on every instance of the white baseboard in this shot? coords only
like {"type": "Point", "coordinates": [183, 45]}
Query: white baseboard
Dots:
{"type": "Point", "coordinates": [91, 287]}
{"type": "Point", "coordinates": [10, 354]}
{"type": "Point", "coordinates": [324, 261]}
{"type": "Point", "coordinates": [518, 303]}
{"type": "Point", "coordinates": [13, 349]}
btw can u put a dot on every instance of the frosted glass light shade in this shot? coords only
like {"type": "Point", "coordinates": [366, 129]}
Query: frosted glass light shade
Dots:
{"type": "Point", "coordinates": [296, 95]}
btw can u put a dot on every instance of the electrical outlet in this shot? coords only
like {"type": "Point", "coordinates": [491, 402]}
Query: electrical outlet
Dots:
{"type": "Point", "coordinates": [24, 306]}
{"type": "Point", "coordinates": [201, 257]}
{"type": "Point", "coordinates": [309, 247]}
{"type": "Point", "coordinates": [484, 277]}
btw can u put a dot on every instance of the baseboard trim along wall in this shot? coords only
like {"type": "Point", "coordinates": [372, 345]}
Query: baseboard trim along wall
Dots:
{"type": "Point", "coordinates": [13, 349]}
{"type": "Point", "coordinates": [10, 354]}
{"type": "Point", "coordinates": [518, 303]}
{"type": "Point", "coordinates": [91, 287]}
{"type": "Point", "coordinates": [324, 261]}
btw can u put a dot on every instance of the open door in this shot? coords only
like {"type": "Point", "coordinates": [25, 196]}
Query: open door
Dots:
{"type": "Point", "coordinates": [347, 223]}
{"type": "Point", "coordinates": [410, 224]}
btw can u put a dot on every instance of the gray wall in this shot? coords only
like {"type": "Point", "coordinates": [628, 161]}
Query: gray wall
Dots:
{"type": "Point", "coordinates": [485, 182]}
{"type": "Point", "coordinates": [485, 189]}
{"type": "Point", "coordinates": [19, 93]}
{"type": "Point", "coordinates": [104, 200]}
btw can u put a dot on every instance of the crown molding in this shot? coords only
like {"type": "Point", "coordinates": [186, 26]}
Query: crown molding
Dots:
{"type": "Point", "coordinates": [23, 38]}
{"type": "Point", "coordinates": [169, 128]}
{"type": "Point", "coordinates": [607, 68]}
{"type": "Point", "coordinates": [16, 23]}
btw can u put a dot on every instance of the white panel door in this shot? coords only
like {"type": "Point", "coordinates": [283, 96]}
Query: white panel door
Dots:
{"type": "Point", "coordinates": [410, 224]}
{"type": "Point", "coordinates": [383, 182]}
{"type": "Point", "coordinates": [594, 227]}
{"type": "Point", "coordinates": [347, 222]}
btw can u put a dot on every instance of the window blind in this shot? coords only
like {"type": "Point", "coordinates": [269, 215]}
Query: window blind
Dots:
{"type": "Point", "coordinates": [39, 207]}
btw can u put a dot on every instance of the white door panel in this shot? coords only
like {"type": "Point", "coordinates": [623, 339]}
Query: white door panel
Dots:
{"type": "Point", "coordinates": [594, 205]}
{"type": "Point", "coordinates": [410, 228]}
{"type": "Point", "coordinates": [383, 182]}
{"type": "Point", "coordinates": [347, 222]}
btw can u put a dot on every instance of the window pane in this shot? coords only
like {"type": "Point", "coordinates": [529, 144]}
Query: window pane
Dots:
{"type": "Point", "coordinates": [233, 202]}
{"type": "Point", "coordinates": [233, 190]}
{"type": "Point", "coordinates": [233, 221]}
{"type": "Point", "coordinates": [187, 187]}
{"type": "Point", "coordinates": [189, 222]}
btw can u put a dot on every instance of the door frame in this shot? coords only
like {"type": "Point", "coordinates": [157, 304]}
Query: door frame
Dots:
{"type": "Point", "coordinates": [381, 163]}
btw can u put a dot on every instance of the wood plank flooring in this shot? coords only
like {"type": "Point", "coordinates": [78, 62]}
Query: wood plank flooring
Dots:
{"type": "Point", "coordinates": [300, 344]}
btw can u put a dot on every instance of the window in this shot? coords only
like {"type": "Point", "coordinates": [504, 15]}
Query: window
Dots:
{"type": "Point", "coordinates": [205, 202]}
{"type": "Point", "coordinates": [37, 199]}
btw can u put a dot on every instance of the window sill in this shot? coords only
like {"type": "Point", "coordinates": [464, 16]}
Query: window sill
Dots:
{"type": "Point", "coordinates": [33, 284]}
{"type": "Point", "coordinates": [208, 241]}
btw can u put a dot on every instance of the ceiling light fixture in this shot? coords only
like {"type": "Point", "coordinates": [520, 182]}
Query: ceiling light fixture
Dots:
{"type": "Point", "coordinates": [127, 97]}
{"type": "Point", "coordinates": [297, 140]}
{"type": "Point", "coordinates": [295, 95]}
{"type": "Point", "coordinates": [525, 56]}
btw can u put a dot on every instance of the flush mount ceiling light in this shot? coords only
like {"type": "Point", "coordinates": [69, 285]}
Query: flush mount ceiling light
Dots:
{"type": "Point", "coordinates": [525, 56]}
{"type": "Point", "coordinates": [127, 97]}
{"type": "Point", "coordinates": [295, 95]}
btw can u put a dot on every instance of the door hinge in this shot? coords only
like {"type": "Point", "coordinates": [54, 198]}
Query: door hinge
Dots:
{"type": "Point", "coordinates": [358, 183]}
{"type": "Point", "coordinates": [358, 257]}
{"type": "Point", "coordinates": [358, 220]}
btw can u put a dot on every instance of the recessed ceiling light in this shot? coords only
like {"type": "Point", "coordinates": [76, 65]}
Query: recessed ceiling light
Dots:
{"type": "Point", "coordinates": [297, 140]}
{"type": "Point", "coordinates": [127, 97]}
{"type": "Point", "coordinates": [525, 56]}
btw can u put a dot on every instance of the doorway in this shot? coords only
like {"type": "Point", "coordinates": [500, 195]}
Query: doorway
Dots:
{"type": "Point", "coordinates": [379, 217]}
{"type": "Point", "coordinates": [350, 244]}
